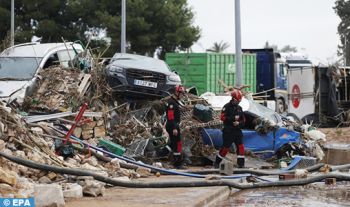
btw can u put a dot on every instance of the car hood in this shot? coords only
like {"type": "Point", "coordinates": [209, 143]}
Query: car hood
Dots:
{"type": "Point", "coordinates": [141, 63]}
{"type": "Point", "coordinates": [143, 67]}
{"type": "Point", "coordinates": [7, 88]}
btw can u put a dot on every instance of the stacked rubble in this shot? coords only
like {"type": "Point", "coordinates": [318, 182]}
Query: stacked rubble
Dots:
{"type": "Point", "coordinates": [58, 89]}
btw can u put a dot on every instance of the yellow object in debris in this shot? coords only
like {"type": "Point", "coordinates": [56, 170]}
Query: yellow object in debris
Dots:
{"type": "Point", "coordinates": [61, 109]}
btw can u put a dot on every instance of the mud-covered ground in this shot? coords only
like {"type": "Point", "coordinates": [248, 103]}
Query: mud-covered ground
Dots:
{"type": "Point", "coordinates": [317, 194]}
{"type": "Point", "coordinates": [338, 135]}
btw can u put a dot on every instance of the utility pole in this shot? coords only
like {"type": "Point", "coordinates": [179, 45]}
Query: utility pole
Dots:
{"type": "Point", "coordinates": [345, 45]}
{"type": "Point", "coordinates": [123, 30]}
{"type": "Point", "coordinates": [12, 22]}
{"type": "Point", "coordinates": [239, 74]}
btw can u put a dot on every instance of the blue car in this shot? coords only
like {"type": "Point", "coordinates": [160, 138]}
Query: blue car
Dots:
{"type": "Point", "coordinates": [267, 143]}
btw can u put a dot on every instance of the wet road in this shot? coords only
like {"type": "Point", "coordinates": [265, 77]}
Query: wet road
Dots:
{"type": "Point", "coordinates": [317, 194]}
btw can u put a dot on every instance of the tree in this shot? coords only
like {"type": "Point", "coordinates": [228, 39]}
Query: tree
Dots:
{"type": "Point", "coordinates": [267, 45]}
{"type": "Point", "coordinates": [286, 48]}
{"type": "Point", "coordinates": [342, 8]}
{"type": "Point", "coordinates": [219, 47]}
{"type": "Point", "coordinates": [150, 23]}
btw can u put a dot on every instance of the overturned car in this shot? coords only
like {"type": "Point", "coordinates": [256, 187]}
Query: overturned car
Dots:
{"type": "Point", "coordinates": [266, 133]}
{"type": "Point", "coordinates": [134, 75]}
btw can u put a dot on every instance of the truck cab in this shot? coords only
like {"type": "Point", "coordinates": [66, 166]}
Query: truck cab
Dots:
{"type": "Point", "coordinates": [284, 62]}
{"type": "Point", "coordinates": [300, 84]}
{"type": "Point", "coordinates": [272, 71]}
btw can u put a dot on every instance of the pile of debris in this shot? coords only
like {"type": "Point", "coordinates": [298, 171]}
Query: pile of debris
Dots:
{"type": "Point", "coordinates": [58, 89]}
{"type": "Point", "coordinates": [45, 137]}
{"type": "Point", "coordinates": [36, 140]}
{"type": "Point", "coordinates": [51, 108]}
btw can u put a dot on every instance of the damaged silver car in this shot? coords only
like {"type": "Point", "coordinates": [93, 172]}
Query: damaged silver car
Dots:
{"type": "Point", "coordinates": [20, 65]}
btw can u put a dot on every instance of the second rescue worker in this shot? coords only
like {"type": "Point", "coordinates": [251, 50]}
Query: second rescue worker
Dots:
{"type": "Point", "coordinates": [233, 118]}
{"type": "Point", "coordinates": [172, 126]}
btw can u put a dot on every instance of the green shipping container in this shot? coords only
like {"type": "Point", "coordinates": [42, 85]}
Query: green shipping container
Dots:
{"type": "Point", "coordinates": [204, 70]}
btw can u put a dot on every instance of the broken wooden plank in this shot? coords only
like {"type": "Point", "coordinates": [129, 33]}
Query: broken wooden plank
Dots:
{"type": "Point", "coordinates": [84, 84]}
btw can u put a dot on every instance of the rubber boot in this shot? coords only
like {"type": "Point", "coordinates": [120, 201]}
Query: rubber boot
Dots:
{"type": "Point", "coordinates": [163, 152]}
{"type": "Point", "coordinates": [178, 162]}
{"type": "Point", "coordinates": [240, 162]}
{"type": "Point", "coordinates": [216, 164]}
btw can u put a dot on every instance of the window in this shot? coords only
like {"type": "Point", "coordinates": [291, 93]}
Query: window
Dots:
{"type": "Point", "coordinates": [18, 68]}
{"type": "Point", "coordinates": [65, 56]}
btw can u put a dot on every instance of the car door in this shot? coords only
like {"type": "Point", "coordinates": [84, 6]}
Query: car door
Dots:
{"type": "Point", "coordinates": [58, 58]}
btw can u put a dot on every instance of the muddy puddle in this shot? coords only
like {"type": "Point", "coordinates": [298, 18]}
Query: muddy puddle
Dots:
{"type": "Point", "coordinates": [317, 194]}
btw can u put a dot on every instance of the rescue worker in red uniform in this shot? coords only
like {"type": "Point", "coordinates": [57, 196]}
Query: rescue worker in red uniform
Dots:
{"type": "Point", "coordinates": [172, 126]}
{"type": "Point", "coordinates": [233, 119]}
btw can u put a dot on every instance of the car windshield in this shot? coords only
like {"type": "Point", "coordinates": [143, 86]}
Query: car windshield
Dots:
{"type": "Point", "coordinates": [18, 68]}
{"type": "Point", "coordinates": [262, 111]}
{"type": "Point", "coordinates": [142, 63]}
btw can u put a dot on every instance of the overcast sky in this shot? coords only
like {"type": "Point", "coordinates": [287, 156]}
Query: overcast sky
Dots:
{"type": "Point", "coordinates": [309, 25]}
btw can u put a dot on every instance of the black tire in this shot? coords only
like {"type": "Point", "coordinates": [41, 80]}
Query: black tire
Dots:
{"type": "Point", "coordinates": [295, 117]}
{"type": "Point", "coordinates": [311, 118]}
{"type": "Point", "coordinates": [280, 106]}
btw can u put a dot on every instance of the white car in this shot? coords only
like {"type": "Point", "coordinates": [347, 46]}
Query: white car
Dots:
{"type": "Point", "coordinates": [20, 65]}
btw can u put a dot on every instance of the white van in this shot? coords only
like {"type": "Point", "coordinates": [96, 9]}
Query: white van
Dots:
{"type": "Point", "coordinates": [20, 65]}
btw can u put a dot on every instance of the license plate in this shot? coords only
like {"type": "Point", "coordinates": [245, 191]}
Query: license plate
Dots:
{"type": "Point", "coordinates": [145, 83]}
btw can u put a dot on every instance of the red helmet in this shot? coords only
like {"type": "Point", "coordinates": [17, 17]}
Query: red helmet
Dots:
{"type": "Point", "coordinates": [236, 95]}
{"type": "Point", "coordinates": [179, 89]}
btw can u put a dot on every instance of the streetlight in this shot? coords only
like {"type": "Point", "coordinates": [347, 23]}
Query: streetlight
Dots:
{"type": "Point", "coordinates": [12, 22]}
{"type": "Point", "coordinates": [123, 32]}
{"type": "Point", "coordinates": [239, 78]}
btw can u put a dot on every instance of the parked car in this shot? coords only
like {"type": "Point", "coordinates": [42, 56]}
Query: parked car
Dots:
{"type": "Point", "coordinates": [20, 65]}
{"type": "Point", "coordinates": [132, 75]}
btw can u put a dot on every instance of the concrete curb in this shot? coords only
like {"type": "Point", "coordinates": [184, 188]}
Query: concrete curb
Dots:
{"type": "Point", "coordinates": [217, 195]}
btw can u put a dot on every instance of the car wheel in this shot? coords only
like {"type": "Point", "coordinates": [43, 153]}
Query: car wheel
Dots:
{"type": "Point", "coordinates": [280, 106]}
{"type": "Point", "coordinates": [295, 117]}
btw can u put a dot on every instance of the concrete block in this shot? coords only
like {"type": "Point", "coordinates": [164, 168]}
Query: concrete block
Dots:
{"type": "Point", "coordinates": [144, 172]}
{"type": "Point", "coordinates": [77, 131]}
{"type": "Point", "coordinates": [6, 189]}
{"type": "Point", "coordinates": [52, 175]}
{"type": "Point", "coordinates": [48, 195]}
{"type": "Point", "coordinates": [100, 131]}
{"type": "Point", "coordinates": [2, 145]}
{"type": "Point", "coordinates": [11, 133]}
{"type": "Point", "coordinates": [93, 188]}
{"type": "Point", "coordinates": [73, 191]}
{"type": "Point", "coordinates": [7, 177]}
{"type": "Point", "coordinates": [226, 167]}
{"type": "Point", "coordinates": [100, 122]}
{"type": "Point", "coordinates": [45, 180]}
{"type": "Point", "coordinates": [87, 134]}
{"type": "Point", "coordinates": [89, 125]}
